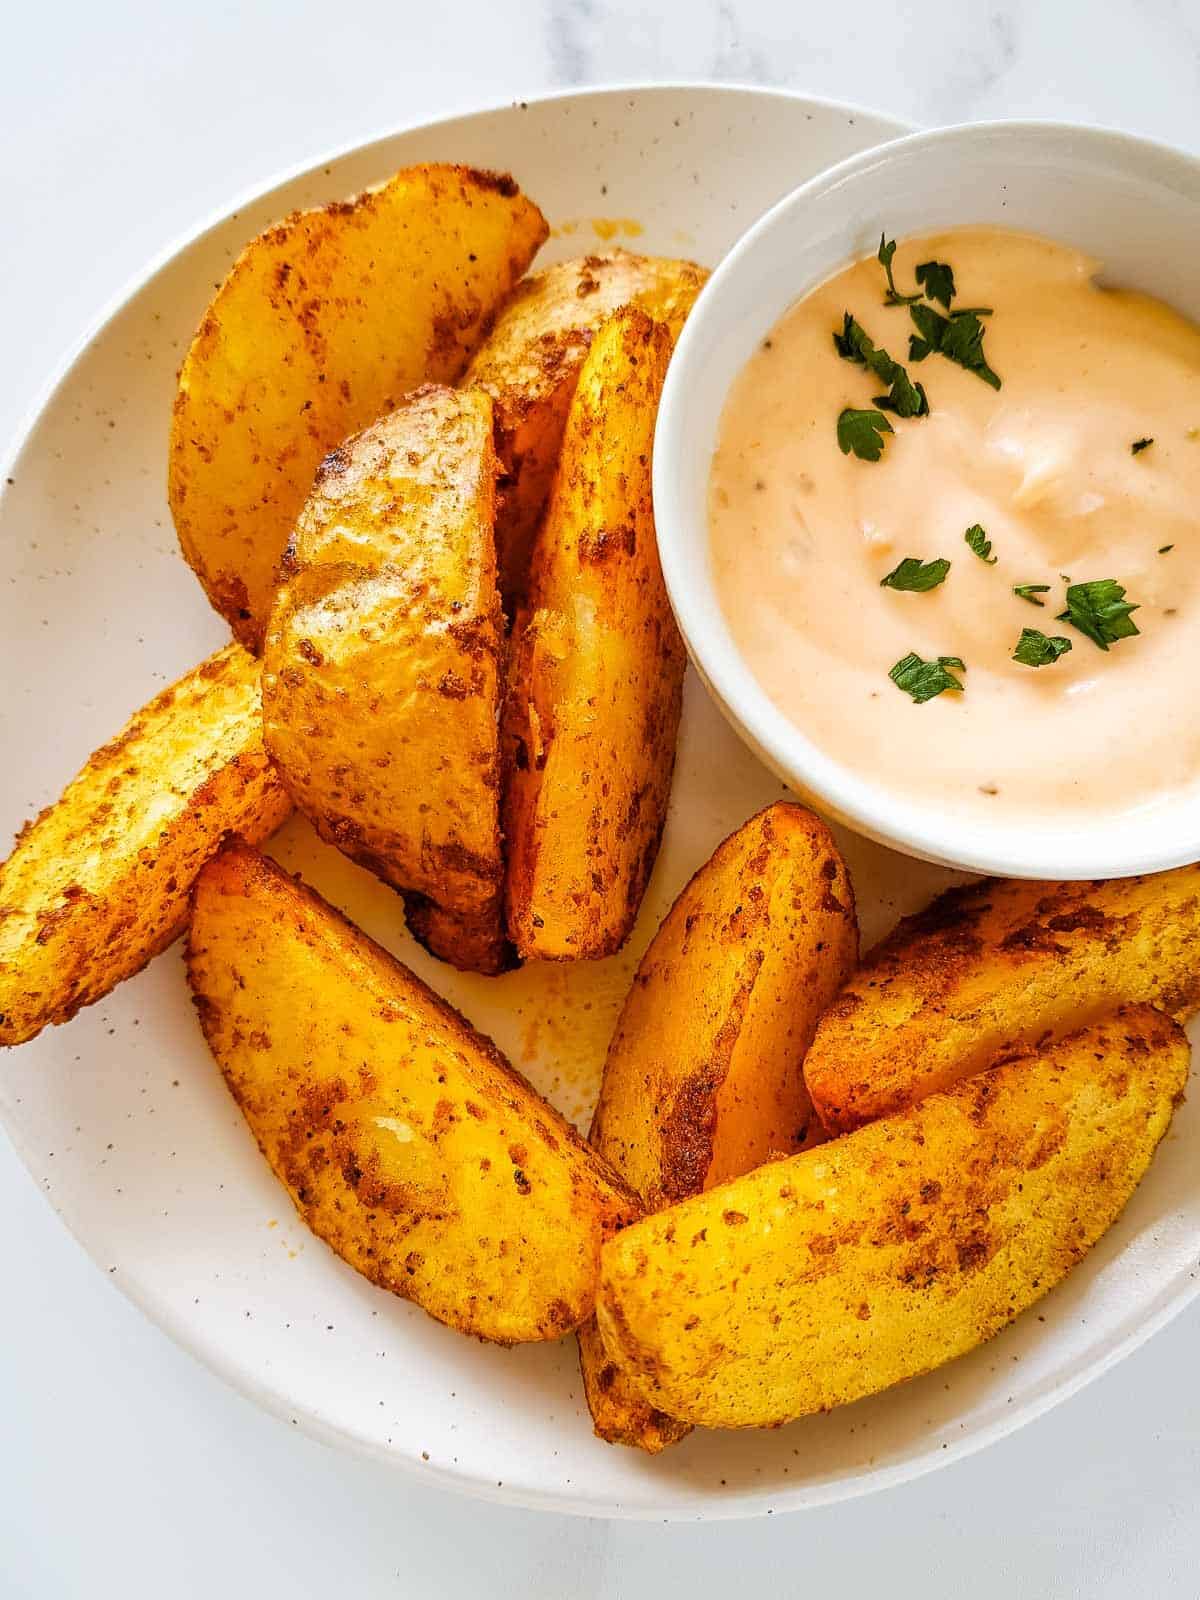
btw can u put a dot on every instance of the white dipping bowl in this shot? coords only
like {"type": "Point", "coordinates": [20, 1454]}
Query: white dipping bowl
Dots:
{"type": "Point", "coordinates": [1134, 205]}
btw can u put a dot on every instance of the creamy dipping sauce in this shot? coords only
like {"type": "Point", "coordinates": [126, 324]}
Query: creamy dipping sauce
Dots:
{"type": "Point", "coordinates": [802, 535]}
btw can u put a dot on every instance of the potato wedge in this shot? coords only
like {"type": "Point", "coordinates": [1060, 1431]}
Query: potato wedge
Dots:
{"type": "Point", "coordinates": [991, 969]}
{"type": "Point", "coordinates": [594, 692]}
{"type": "Point", "coordinates": [703, 1079]}
{"type": "Point", "coordinates": [325, 322]}
{"type": "Point", "coordinates": [99, 883]}
{"type": "Point", "coordinates": [404, 1138]}
{"type": "Point", "coordinates": [832, 1275]}
{"type": "Point", "coordinates": [382, 666]}
{"type": "Point", "coordinates": [530, 363]}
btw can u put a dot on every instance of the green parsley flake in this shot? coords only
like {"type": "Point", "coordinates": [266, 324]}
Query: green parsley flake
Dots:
{"type": "Point", "coordinates": [905, 398]}
{"type": "Point", "coordinates": [958, 337]}
{"type": "Point", "coordinates": [1034, 649]}
{"type": "Point", "coordinates": [1030, 592]}
{"type": "Point", "coordinates": [887, 249]}
{"type": "Point", "coordinates": [1100, 610]}
{"type": "Point", "coordinates": [862, 432]}
{"type": "Point", "coordinates": [980, 544]}
{"type": "Point", "coordinates": [937, 280]}
{"type": "Point", "coordinates": [1138, 445]}
{"type": "Point", "coordinates": [916, 576]}
{"type": "Point", "coordinates": [924, 680]}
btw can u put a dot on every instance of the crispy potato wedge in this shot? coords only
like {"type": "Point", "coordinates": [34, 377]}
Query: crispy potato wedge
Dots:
{"type": "Point", "coordinates": [530, 363]}
{"type": "Point", "coordinates": [594, 692]}
{"type": "Point", "coordinates": [382, 666]}
{"type": "Point", "coordinates": [992, 969]}
{"type": "Point", "coordinates": [99, 883]}
{"type": "Point", "coordinates": [404, 1138]}
{"type": "Point", "coordinates": [703, 1079]}
{"type": "Point", "coordinates": [832, 1275]}
{"type": "Point", "coordinates": [325, 322]}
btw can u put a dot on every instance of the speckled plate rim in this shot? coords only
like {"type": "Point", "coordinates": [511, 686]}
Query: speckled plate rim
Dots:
{"type": "Point", "coordinates": [738, 1507]}
{"type": "Point", "coordinates": [211, 1353]}
{"type": "Point", "coordinates": [252, 193]}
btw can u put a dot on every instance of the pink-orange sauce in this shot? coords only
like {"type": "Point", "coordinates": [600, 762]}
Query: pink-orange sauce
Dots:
{"type": "Point", "coordinates": [801, 535]}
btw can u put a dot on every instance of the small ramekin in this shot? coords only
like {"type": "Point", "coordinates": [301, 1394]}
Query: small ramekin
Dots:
{"type": "Point", "coordinates": [1133, 204]}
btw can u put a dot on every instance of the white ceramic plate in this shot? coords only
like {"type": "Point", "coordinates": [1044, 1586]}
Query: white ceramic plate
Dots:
{"type": "Point", "coordinates": [122, 1116]}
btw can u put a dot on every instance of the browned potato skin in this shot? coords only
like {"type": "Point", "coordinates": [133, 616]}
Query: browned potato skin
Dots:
{"type": "Point", "coordinates": [818, 1280]}
{"type": "Point", "coordinates": [99, 883]}
{"type": "Point", "coordinates": [406, 1141]}
{"type": "Point", "coordinates": [530, 363]}
{"type": "Point", "coordinates": [593, 703]}
{"type": "Point", "coordinates": [992, 969]}
{"type": "Point", "coordinates": [703, 1079]}
{"type": "Point", "coordinates": [324, 323]}
{"type": "Point", "coordinates": [382, 666]}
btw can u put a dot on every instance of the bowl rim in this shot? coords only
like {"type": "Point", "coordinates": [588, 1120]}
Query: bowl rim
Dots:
{"type": "Point", "coordinates": [1117, 849]}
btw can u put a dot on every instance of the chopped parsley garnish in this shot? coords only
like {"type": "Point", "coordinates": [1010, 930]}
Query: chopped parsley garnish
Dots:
{"type": "Point", "coordinates": [924, 680]}
{"type": "Point", "coordinates": [853, 343]}
{"type": "Point", "coordinates": [887, 249]}
{"type": "Point", "coordinates": [958, 337]}
{"type": "Point", "coordinates": [904, 398]}
{"type": "Point", "coordinates": [928, 336]}
{"type": "Point", "coordinates": [1030, 592]}
{"type": "Point", "coordinates": [1100, 610]}
{"type": "Point", "coordinates": [916, 576]}
{"type": "Point", "coordinates": [1163, 548]}
{"type": "Point", "coordinates": [862, 432]}
{"type": "Point", "coordinates": [1034, 649]}
{"type": "Point", "coordinates": [980, 544]}
{"type": "Point", "coordinates": [1138, 445]}
{"type": "Point", "coordinates": [937, 280]}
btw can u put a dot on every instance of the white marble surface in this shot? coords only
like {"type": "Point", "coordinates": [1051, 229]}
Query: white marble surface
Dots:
{"type": "Point", "coordinates": [125, 1469]}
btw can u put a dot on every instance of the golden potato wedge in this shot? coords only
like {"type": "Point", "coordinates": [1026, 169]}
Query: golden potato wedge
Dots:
{"type": "Point", "coordinates": [325, 322]}
{"type": "Point", "coordinates": [992, 969]}
{"type": "Point", "coordinates": [99, 883]}
{"type": "Point", "coordinates": [530, 363]}
{"type": "Point", "coordinates": [594, 693]}
{"type": "Point", "coordinates": [404, 1138]}
{"type": "Point", "coordinates": [703, 1079]}
{"type": "Point", "coordinates": [832, 1275]}
{"type": "Point", "coordinates": [382, 666]}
